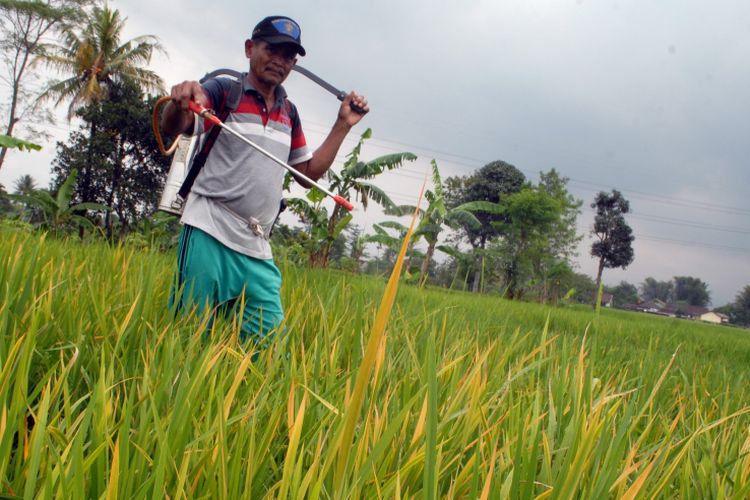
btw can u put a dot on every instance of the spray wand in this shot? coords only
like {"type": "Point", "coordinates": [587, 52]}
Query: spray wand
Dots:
{"type": "Point", "coordinates": [205, 113]}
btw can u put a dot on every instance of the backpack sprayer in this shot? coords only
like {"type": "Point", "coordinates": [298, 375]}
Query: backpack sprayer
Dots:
{"type": "Point", "coordinates": [186, 163]}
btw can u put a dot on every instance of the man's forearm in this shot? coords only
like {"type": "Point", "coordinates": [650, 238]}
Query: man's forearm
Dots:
{"type": "Point", "coordinates": [324, 156]}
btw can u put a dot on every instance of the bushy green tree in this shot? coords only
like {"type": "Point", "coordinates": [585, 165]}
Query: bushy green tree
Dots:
{"type": "Point", "coordinates": [691, 290]}
{"type": "Point", "coordinates": [531, 214]}
{"type": "Point", "coordinates": [653, 289]}
{"type": "Point", "coordinates": [95, 61]}
{"type": "Point", "coordinates": [120, 164]}
{"type": "Point", "coordinates": [538, 233]}
{"type": "Point", "coordinates": [741, 312]}
{"type": "Point", "coordinates": [489, 185]}
{"type": "Point", "coordinates": [623, 293]}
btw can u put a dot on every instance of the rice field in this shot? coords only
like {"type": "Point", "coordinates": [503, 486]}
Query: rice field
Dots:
{"type": "Point", "coordinates": [105, 394]}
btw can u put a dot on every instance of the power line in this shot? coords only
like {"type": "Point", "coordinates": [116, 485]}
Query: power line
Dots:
{"type": "Point", "coordinates": [681, 222]}
{"type": "Point", "coordinates": [668, 200]}
{"type": "Point", "coordinates": [696, 244]}
{"type": "Point", "coordinates": [673, 241]}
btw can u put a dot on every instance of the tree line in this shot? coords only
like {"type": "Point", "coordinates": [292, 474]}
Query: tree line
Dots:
{"type": "Point", "coordinates": [496, 231]}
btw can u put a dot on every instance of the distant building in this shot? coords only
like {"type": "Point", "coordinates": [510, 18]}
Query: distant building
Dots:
{"type": "Point", "coordinates": [715, 317]}
{"type": "Point", "coordinates": [607, 299]}
{"type": "Point", "coordinates": [685, 311]}
{"type": "Point", "coordinates": [671, 310]}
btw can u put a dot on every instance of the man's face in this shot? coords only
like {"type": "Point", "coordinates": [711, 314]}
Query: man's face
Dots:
{"type": "Point", "coordinates": [269, 63]}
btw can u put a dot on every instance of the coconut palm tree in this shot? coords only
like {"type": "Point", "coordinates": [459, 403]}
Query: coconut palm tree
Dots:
{"type": "Point", "coordinates": [93, 58]}
{"type": "Point", "coordinates": [24, 185]}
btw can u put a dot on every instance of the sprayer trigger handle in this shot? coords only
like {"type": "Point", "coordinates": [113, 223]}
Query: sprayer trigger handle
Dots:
{"type": "Point", "coordinates": [203, 112]}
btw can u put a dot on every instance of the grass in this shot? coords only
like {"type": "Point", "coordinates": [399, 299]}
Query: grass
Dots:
{"type": "Point", "coordinates": [103, 393]}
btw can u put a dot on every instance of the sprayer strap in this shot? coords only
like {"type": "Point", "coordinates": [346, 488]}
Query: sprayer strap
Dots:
{"type": "Point", "coordinates": [231, 104]}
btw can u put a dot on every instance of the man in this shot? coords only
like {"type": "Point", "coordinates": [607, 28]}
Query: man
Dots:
{"type": "Point", "coordinates": [224, 250]}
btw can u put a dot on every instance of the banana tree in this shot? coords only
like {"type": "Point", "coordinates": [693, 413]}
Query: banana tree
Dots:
{"type": "Point", "coordinates": [8, 142]}
{"type": "Point", "coordinates": [57, 211]}
{"type": "Point", "coordinates": [350, 182]}
{"type": "Point", "coordinates": [434, 219]}
{"type": "Point", "coordinates": [392, 243]}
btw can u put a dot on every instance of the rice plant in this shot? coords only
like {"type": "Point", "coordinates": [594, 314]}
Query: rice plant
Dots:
{"type": "Point", "coordinates": [104, 392]}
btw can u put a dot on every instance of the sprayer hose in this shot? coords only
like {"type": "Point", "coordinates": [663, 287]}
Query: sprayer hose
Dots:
{"type": "Point", "coordinates": [157, 131]}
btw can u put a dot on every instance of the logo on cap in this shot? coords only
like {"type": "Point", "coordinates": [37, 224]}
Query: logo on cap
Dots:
{"type": "Point", "coordinates": [286, 27]}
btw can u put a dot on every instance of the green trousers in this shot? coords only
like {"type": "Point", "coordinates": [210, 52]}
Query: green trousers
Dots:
{"type": "Point", "coordinates": [212, 276]}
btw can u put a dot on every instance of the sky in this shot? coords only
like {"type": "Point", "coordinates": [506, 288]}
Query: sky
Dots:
{"type": "Point", "coordinates": [649, 97]}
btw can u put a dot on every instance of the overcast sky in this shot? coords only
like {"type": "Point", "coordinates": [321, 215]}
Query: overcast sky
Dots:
{"type": "Point", "coordinates": [648, 97]}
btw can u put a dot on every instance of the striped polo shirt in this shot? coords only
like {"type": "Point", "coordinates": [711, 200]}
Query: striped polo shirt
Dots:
{"type": "Point", "coordinates": [238, 186]}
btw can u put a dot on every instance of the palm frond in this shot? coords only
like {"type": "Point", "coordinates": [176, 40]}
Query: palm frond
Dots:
{"type": "Point", "coordinates": [436, 180]}
{"type": "Point", "coordinates": [481, 206]}
{"type": "Point", "coordinates": [65, 191]}
{"type": "Point", "coordinates": [457, 217]}
{"type": "Point", "coordinates": [401, 210]}
{"type": "Point", "coordinates": [374, 193]}
{"type": "Point", "coordinates": [353, 157]}
{"type": "Point", "coordinates": [362, 170]}
{"type": "Point", "coordinates": [392, 224]}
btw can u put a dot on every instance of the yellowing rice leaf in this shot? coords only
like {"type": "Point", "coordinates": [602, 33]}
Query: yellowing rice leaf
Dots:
{"type": "Point", "coordinates": [488, 481]}
{"type": "Point", "coordinates": [238, 377]}
{"type": "Point", "coordinates": [419, 429]}
{"type": "Point", "coordinates": [295, 431]}
{"type": "Point", "coordinates": [377, 335]}
{"type": "Point", "coordinates": [638, 483]}
{"type": "Point", "coordinates": [325, 403]}
{"type": "Point", "coordinates": [114, 473]}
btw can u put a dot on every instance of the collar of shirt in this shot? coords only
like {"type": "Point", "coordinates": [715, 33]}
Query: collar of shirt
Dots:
{"type": "Point", "coordinates": [247, 87]}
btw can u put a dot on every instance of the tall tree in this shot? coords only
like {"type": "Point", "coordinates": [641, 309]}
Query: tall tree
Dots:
{"type": "Point", "coordinates": [563, 236]}
{"type": "Point", "coordinates": [614, 245]}
{"type": "Point", "coordinates": [692, 291]}
{"type": "Point", "coordinates": [491, 184]}
{"type": "Point", "coordinates": [653, 289]}
{"type": "Point", "coordinates": [561, 239]}
{"type": "Point", "coordinates": [127, 169]}
{"type": "Point", "coordinates": [532, 214]}
{"type": "Point", "coordinates": [24, 28]}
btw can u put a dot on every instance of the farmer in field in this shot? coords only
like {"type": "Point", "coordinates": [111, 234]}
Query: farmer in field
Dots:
{"type": "Point", "coordinates": [224, 249]}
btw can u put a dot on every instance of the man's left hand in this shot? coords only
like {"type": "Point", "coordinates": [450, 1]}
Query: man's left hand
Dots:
{"type": "Point", "coordinates": [347, 114]}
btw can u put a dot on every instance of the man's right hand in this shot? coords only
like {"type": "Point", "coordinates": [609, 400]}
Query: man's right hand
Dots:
{"type": "Point", "coordinates": [185, 92]}
{"type": "Point", "coordinates": [177, 117]}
